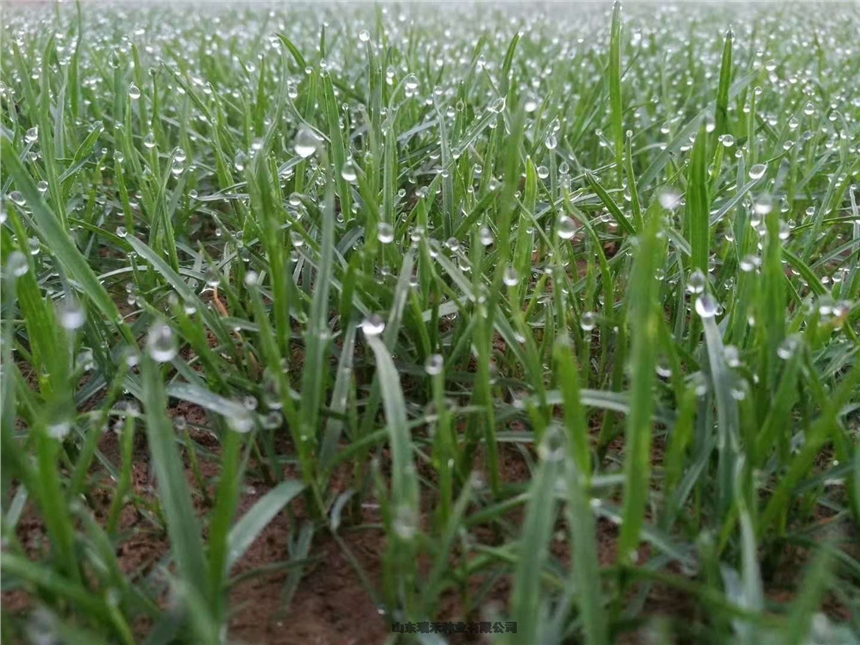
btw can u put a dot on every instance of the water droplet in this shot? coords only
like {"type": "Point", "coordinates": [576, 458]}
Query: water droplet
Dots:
{"type": "Point", "coordinates": [486, 236]}
{"type": "Point", "coordinates": [787, 348]}
{"type": "Point", "coordinates": [212, 276]}
{"type": "Point", "coordinates": [763, 205]}
{"type": "Point", "coordinates": [750, 263]}
{"type": "Point", "coordinates": [757, 171]}
{"type": "Point", "coordinates": [588, 321]}
{"type": "Point", "coordinates": [32, 134]}
{"type": "Point", "coordinates": [732, 356]}
{"type": "Point", "coordinates": [727, 140]}
{"type": "Point", "coordinates": [511, 277]}
{"type": "Point", "coordinates": [434, 364]}
{"type": "Point", "coordinates": [706, 306]}
{"type": "Point", "coordinates": [552, 447]}
{"type": "Point", "coordinates": [348, 171]}
{"type": "Point", "coordinates": [272, 420]}
{"type": "Point", "coordinates": [669, 199]}
{"type": "Point", "coordinates": [364, 35]}
{"type": "Point", "coordinates": [697, 281]}
{"type": "Point", "coordinates": [133, 92]}
{"type": "Point", "coordinates": [307, 142]}
{"type": "Point", "coordinates": [59, 430]}
{"type": "Point", "coordinates": [565, 228]}
{"type": "Point", "coordinates": [71, 313]}
{"type": "Point", "coordinates": [373, 325]}
{"type": "Point", "coordinates": [149, 140]}
{"type": "Point", "coordinates": [161, 342]}
{"type": "Point", "coordinates": [699, 383]}
{"type": "Point", "coordinates": [17, 264]}
{"type": "Point", "coordinates": [385, 233]}
{"type": "Point", "coordinates": [498, 105]}
{"type": "Point", "coordinates": [241, 420]}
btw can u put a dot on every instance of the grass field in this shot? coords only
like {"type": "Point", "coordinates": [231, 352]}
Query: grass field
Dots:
{"type": "Point", "coordinates": [320, 322]}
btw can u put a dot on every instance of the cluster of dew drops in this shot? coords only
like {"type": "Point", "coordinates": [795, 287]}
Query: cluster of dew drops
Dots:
{"type": "Point", "coordinates": [785, 92]}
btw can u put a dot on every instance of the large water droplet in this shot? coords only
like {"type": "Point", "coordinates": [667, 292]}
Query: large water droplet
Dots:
{"type": "Point", "coordinates": [732, 356]}
{"type": "Point", "coordinates": [565, 228]}
{"type": "Point", "coordinates": [434, 364]}
{"type": "Point", "coordinates": [749, 263]}
{"type": "Point", "coordinates": [212, 276]}
{"type": "Point", "coordinates": [348, 171]}
{"type": "Point", "coordinates": [373, 325]}
{"type": "Point", "coordinates": [161, 342]}
{"type": "Point", "coordinates": [486, 236]}
{"type": "Point", "coordinates": [757, 171]}
{"type": "Point", "coordinates": [763, 205]}
{"type": "Point", "coordinates": [385, 233]}
{"type": "Point", "coordinates": [588, 321]}
{"type": "Point", "coordinates": [306, 143]}
{"type": "Point", "coordinates": [242, 420]}
{"type": "Point", "coordinates": [706, 306]}
{"type": "Point", "coordinates": [669, 199]}
{"type": "Point", "coordinates": [786, 350]}
{"type": "Point", "coordinates": [697, 281]}
{"type": "Point", "coordinates": [59, 429]}
{"type": "Point", "coordinates": [17, 264]}
{"type": "Point", "coordinates": [498, 105]}
{"type": "Point", "coordinates": [71, 313]}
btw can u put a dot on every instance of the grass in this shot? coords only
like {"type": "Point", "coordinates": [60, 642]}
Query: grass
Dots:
{"type": "Point", "coordinates": [570, 297]}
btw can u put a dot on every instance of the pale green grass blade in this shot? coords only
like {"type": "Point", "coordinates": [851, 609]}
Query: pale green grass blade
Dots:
{"type": "Point", "coordinates": [182, 525]}
{"type": "Point", "coordinates": [643, 323]}
{"type": "Point", "coordinates": [246, 530]}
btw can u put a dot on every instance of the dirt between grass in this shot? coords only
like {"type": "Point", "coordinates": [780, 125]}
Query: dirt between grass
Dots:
{"type": "Point", "coordinates": [331, 605]}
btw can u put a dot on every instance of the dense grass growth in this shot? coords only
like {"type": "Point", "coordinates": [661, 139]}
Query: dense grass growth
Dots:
{"type": "Point", "coordinates": [559, 306]}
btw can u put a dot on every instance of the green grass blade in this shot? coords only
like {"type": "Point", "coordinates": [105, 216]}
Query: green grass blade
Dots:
{"type": "Point", "coordinates": [643, 325]}
{"type": "Point", "coordinates": [182, 525]}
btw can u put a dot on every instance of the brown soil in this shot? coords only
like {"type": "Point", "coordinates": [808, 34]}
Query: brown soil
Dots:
{"type": "Point", "coordinates": [330, 604]}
